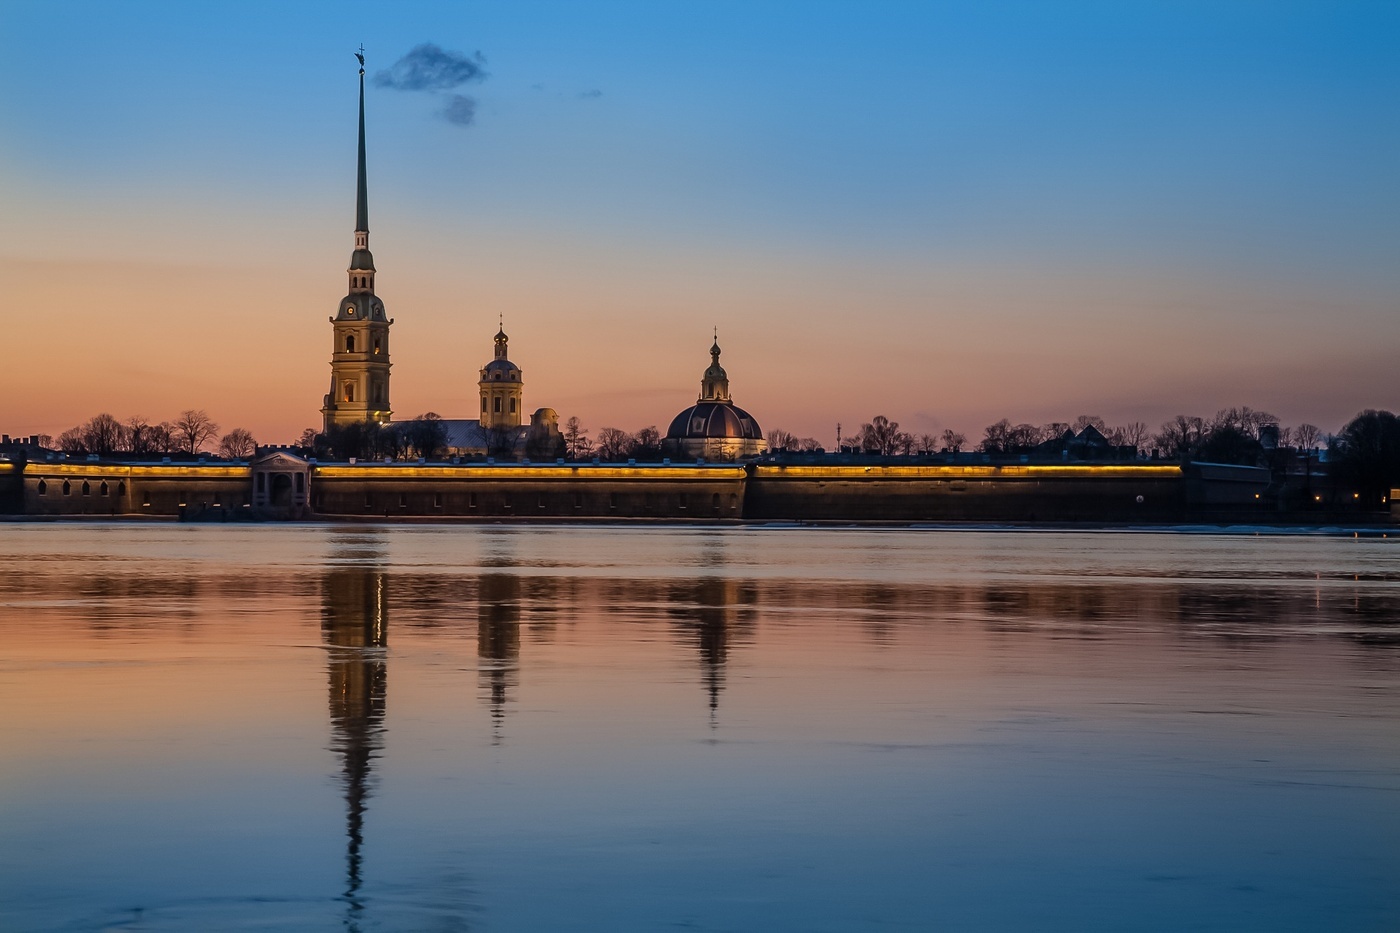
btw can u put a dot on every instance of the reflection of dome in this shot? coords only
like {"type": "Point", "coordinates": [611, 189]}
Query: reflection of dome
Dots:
{"type": "Point", "coordinates": [715, 420]}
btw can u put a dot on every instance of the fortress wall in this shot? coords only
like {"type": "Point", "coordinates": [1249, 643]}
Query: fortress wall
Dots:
{"type": "Point", "coordinates": [984, 493]}
{"type": "Point", "coordinates": [526, 492]}
{"type": "Point", "coordinates": [11, 488]}
{"type": "Point", "coordinates": [709, 492]}
{"type": "Point", "coordinates": [133, 489]}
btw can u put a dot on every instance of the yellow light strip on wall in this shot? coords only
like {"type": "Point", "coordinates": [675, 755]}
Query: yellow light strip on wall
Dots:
{"type": "Point", "coordinates": [962, 472]}
{"type": "Point", "coordinates": [556, 472]}
{"type": "Point", "coordinates": [152, 471]}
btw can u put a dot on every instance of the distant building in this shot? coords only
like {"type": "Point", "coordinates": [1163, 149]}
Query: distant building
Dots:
{"type": "Point", "coordinates": [1088, 444]}
{"type": "Point", "coordinates": [499, 430]}
{"type": "Point", "coordinates": [714, 427]}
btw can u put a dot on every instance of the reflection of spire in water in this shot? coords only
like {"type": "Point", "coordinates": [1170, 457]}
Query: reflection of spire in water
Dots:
{"type": "Point", "coordinates": [707, 608]}
{"type": "Point", "coordinates": [355, 627]}
{"type": "Point", "coordinates": [498, 641]}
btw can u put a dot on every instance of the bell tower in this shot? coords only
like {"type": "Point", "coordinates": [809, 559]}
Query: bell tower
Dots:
{"type": "Point", "coordinates": [502, 389]}
{"type": "Point", "coordinates": [359, 388]}
{"type": "Point", "coordinates": [714, 385]}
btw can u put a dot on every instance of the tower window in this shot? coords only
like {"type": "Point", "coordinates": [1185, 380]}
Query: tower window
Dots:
{"type": "Point", "coordinates": [483, 404]}
{"type": "Point", "coordinates": [350, 312]}
{"type": "Point", "coordinates": [512, 406]}
{"type": "Point", "coordinates": [350, 344]}
{"type": "Point", "coordinates": [496, 406]}
{"type": "Point", "coordinates": [349, 392]}
{"type": "Point", "coordinates": [376, 346]}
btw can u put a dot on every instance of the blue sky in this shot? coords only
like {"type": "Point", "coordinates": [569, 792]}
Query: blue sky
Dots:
{"type": "Point", "coordinates": [1195, 203]}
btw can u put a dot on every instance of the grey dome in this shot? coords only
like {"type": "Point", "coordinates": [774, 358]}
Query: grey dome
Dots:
{"type": "Point", "coordinates": [717, 420]}
{"type": "Point", "coordinates": [367, 308]}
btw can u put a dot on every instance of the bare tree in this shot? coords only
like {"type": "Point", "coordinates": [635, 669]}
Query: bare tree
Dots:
{"type": "Point", "coordinates": [163, 437]}
{"type": "Point", "coordinates": [141, 437]}
{"type": "Point", "coordinates": [72, 442]}
{"type": "Point", "coordinates": [103, 434]}
{"type": "Point", "coordinates": [1087, 421]}
{"type": "Point", "coordinates": [995, 439]}
{"type": "Point", "coordinates": [1134, 433]}
{"type": "Point", "coordinates": [1025, 435]}
{"type": "Point", "coordinates": [778, 439]}
{"type": "Point", "coordinates": [883, 436]}
{"type": "Point", "coordinates": [193, 428]}
{"type": "Point", "coordinates": [1182, 435]}
{"type": "Point", "coordinates": [576, 442]}
{"type": "Point", "coordinates": [238, 444]}
{"type": "Point", "coordinates": [308, 438]}
{"type": "Point", "coordinates": [808, 444]}
{"type": "Point", "coordinates": [425, 435]}
{"type": "Point", "coordinates": [647, 442]}
{"type": "Point", "coordinates": [1306, 436]}
{"type": "Point", "coordinates": [953, 440]}
{"type": "Point", "coordinates": [614, 443]}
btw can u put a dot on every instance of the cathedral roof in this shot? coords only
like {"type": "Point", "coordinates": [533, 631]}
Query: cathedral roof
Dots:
{"type": "Point", "coordinates": [715, 420]}
{"type": "Point", "coordinates": [366, 307]}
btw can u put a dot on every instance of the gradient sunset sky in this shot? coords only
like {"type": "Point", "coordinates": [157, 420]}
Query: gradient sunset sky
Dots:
{"type": "Point", "coordinates": [947, 213]}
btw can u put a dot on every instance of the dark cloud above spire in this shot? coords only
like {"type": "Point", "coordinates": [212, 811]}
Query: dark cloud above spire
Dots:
{"type": "Point", "coordinates": [429, 67]}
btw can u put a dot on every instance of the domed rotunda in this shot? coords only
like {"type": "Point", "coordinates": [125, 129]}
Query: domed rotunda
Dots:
{"type": "Point", "coordinates": [714, 427]}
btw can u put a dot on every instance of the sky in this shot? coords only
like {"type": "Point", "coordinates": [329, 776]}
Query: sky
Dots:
{"type": "Point", "coordinates": [947, 213]}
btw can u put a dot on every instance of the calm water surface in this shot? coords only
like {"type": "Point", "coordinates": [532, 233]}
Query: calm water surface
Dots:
{"type": "Point", "coordinates": [601, 728]}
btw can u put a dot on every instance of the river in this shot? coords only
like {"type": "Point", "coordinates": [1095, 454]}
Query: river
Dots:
{"type": "Point", "coordinates": [500, 728]}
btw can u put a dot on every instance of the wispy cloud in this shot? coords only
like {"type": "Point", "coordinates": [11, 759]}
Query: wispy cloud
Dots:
{"type": "Point", "coordinates": [593, 94]}
{"type": "Point", "coordinates": [429, 67]}
{"type": "Point", "coordinates": [460, 110]}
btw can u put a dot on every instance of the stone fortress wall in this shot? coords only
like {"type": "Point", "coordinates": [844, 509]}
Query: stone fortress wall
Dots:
{"type": "Point", "coordinates": [281, 486]}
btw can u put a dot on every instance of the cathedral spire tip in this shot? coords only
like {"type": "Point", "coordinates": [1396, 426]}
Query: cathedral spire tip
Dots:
{"type": "Point", "coordinates": [362, 186]}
